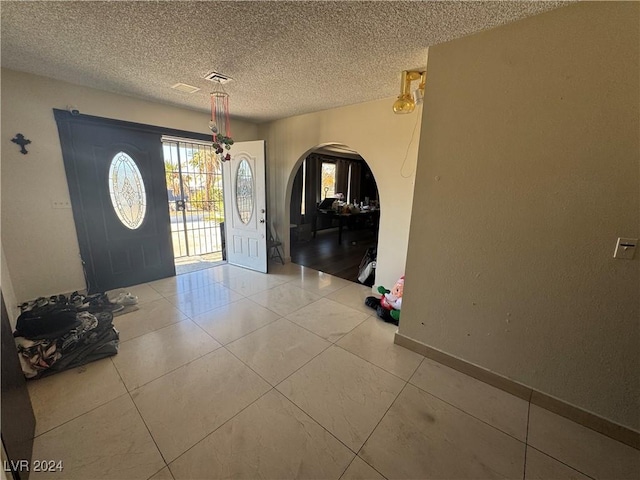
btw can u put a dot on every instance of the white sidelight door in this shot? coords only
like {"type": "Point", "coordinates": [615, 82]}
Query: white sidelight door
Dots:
{"type": "Point", "coordinates": [245, 206]}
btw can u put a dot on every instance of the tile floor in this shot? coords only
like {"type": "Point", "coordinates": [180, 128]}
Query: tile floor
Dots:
{"type": "Point", "coordinates": [227, 373]}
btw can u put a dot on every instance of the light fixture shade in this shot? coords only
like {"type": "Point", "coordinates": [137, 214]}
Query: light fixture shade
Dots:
{"type": "Point", "coordinates": [418, 96]}
{"type": "Point", "coordinates": [404, 104]}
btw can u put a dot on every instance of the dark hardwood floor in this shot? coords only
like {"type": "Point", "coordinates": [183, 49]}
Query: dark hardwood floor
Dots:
{"type": "Point", "coordinates": [323, 252]}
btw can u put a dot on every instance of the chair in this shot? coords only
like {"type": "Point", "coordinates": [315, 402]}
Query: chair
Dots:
{"type": "Point", "coordinates": [273, 246]}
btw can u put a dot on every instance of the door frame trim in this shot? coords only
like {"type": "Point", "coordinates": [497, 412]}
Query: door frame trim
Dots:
{"type": "Point", "coordinates": [64, 119]}
{"type": "Point", "coordinates": [68, 117]}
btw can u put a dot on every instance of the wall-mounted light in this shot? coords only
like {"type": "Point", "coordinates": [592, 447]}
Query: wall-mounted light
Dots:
{"type": "Point", "coordinates": [406, 102]}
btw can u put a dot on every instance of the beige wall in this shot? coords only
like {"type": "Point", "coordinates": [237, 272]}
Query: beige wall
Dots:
{"type": "Point", "coordinates": [528, 171]}
{"type": "Point", "coordinates": [381, 138]}
{"type": "Point", "coordinates": [40, 242]}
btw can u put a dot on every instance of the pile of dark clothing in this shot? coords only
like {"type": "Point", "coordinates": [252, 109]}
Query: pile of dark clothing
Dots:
{"type": "Point", "coordinates": [60, 333]}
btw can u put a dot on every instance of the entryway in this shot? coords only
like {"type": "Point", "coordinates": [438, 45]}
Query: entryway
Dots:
{"type": "Point", "coordinates": [334, 213]}
{"type": "Point", "coordinates": [202, 192]}
{"type": "Point", "coordinates": [193, 173]}
{"type": "Point", "coordinates": [144, 195]}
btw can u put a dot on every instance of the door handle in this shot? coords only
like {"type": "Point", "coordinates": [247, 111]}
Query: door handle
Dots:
{"type": "Point", "coordinates": [262, 220]}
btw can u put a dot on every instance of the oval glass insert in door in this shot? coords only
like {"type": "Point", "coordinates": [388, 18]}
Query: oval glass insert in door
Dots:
{"type": "Point", "coordinates": [126, 189]}
{"type": "Point", "coordinates": [244, 191]}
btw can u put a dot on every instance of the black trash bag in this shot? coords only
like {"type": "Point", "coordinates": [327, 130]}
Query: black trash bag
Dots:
{"type": "Point", "coordinates": [46, 322]}
{"type": "Point", "coordinates": [367, 268]}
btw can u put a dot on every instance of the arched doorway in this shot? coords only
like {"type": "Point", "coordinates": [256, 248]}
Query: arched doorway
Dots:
{"type": "Point", "coordinates": [335, 213]}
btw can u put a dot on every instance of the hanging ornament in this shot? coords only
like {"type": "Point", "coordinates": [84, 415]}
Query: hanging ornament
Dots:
{"type": "Point", "coordinates": [219, 124]}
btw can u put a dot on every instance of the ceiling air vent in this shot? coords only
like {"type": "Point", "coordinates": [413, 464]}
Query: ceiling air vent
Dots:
{"type": "Point", "coordinates": [217, 77]}
{"type": "Point", "coordinates": [183, 87]}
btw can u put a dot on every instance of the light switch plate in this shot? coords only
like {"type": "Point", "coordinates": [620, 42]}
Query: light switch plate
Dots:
{"type": "Point", "coordinates": [625, 248]}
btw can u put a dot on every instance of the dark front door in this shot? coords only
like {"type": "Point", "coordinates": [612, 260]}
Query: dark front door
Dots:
{"type": "Point", "coordinates": [116, 178]}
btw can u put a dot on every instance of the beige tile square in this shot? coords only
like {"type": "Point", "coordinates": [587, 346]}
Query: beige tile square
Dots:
{"type": "Point", "coordinates": [373, 341]}
{"type": "Point", "coordinates": [490, 404]}
{"type": "Point", "coordinates": [278, 350]}
{"type": "Point", "coordinates": [360, 470]}
{"type": "Point", "coordinates": [67, 395]}
{"type": "Point", "coordinates": [164, 474]}
{"type": "Point", "coordinates": [585, 450]}
{"type": "Point", "coordinates": [543, 467]}
{"type": "Point", "coordinates": [182, 283]}
{"type": "Point", "coordinates": [222, 273]}
{"type": "Point", "coordinates": [345, 394]}
{"type": "Point", "coordinates": [424, 437]}
{"type": "Point", "coordinates": [353, 296]}
{"type": "Point", "coordinates": [284, 299]}
{"type": "Point", "coordinates": [150, 356]}
{"type": "Point", "coordinates": [287, 272]}
{"type": "Point", "coordinates": [150, 316]}
{"type": "Point", "coordinates": [201, 300]}
{"type": "Point", "coordinates": [271, 439]}
{"type": "Point", "coordinates": [320, 283]}
{"type": "Point", "coordinates": [235, 320]}
{"type": "Point", "coordinates": [184, 406]}
{"type": "Point", "coordinates": [110, 442]}
{"type": "Point", "coordinates": [328, 319]}
{"type": "Point", "coordinates": [251, 283]}
{"type": "Point", "coordinates": [143, 291]}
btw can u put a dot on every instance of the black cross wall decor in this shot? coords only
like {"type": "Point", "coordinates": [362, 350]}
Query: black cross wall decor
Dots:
{"type": "Point", "coordinates": [20, 140]}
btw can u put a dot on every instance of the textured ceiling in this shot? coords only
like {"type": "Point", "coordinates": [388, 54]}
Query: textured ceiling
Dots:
{"type": "Point", "coordinates": [286, 58]}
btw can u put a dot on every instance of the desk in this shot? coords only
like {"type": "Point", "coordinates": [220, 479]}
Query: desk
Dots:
{"type": "Point", "coordinates": [368, 215]}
